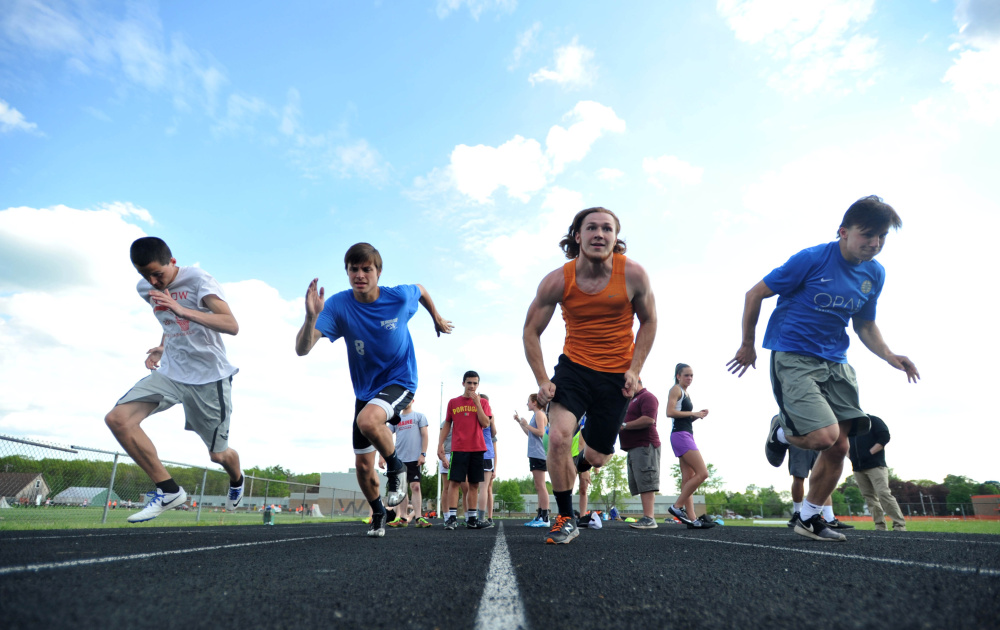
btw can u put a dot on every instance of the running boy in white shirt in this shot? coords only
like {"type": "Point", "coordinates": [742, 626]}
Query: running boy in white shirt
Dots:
{"type": "Point", "coordinates": [189, 368]}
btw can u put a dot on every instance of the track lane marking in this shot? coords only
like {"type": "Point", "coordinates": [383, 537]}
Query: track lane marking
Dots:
{"type": "Point", "coordinates": [41, 566]}
{"type": "Point", "coordinates": [849, 556]}
{"type": "Point", "coordinates": [501, 606]}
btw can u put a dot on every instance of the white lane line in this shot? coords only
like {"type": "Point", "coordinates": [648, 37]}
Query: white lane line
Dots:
{"type": "Point", "coordinates": [500, 607]}
{"type": "Point", "coordinates": [851, 556]}
{"type": "Point", "coordinates": [30, 568]}
{"type": "Point", "coordinates": [124, 532]}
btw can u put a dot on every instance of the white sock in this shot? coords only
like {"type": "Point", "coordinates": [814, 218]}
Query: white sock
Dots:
{"type": "Point", "coordinates": [828, 513]}
{"type": "Point", "coordinates": [781, 435]}
{"type": "Point", "coordinates": [796, 507]}
{"type": "Point", "coordinates": [809, 510]}
{"type": "Point", "coordinates": [452, 513]}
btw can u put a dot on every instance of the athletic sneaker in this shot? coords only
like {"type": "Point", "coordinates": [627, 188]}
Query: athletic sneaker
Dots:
{"type": "Point", "coordinates": [791, 521]}
{"type": "Point", "coordinates": [484, 524]}
{"type": "Point", "coordinates": [563, 531]}
{"type": "Point", "coordinates": [539, 522]}
{"type": "Point", "coordinates": [472, 523]}
{"type": "Point", "coordinates": [395, 487]}
{"type": "Point", "coordinates": [399, 521]}
{"type": "Point", "coordinates": [532, 522]}
{"type": "Point", "coordinates": [377, 528]}
{"type": "Point", "coordinates": [159, 502]}
{"type": "Point", "coordinates": [773, 449]}
{"type": "Point", "coordinates": [583, 521]}
{"type": "Point", "coordinates": [451, 523]}
{"type": "Point", "coordinates": [816, 529]}
{"type": "Point", "coordinates": [680, 513]}
{"type": "Point", "coordinates": [423, 522]}
{"type": "Point", "coordinates": [235, 497]}
{"type": "Point", "coordinates": [595, 521]}
{"type": "Point", "coordinates": [700, 524]}
{"type": "Point", "coordinates": [646, 522]}
{"type": "Point", "coordinates": [835, 524]}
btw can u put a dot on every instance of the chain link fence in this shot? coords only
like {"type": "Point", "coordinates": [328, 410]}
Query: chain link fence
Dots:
{"type": "Point", "coordinates": [52, 486]}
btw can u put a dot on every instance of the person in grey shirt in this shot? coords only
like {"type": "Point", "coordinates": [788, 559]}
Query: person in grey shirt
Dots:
{"type": "Point", "coordinates": [411, 448]}
{"type": "Point", "coordinates": [535, 429]}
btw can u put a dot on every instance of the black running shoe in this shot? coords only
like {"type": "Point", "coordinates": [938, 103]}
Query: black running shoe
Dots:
{"type": "Point", "coordinates": [705, 518]}
{"type": "Point", "coordinates": [680, 513]}
{"type": "Point", "coordinates": [791, 521]}
{"type": "Point", "coordinates": [816, 529]}
{"type": "Point", "coordinates": [563, 531]}
{"type": "Point", "coordinates": [773, 449]}
{"type": "Point", "coordinates": [835, 524]}
{"type": "Point", "coordinates": [395, 486]}
{"type": "Point", "coordinates": [451, 523]}
{"type": "Point", "coordinates": [700, 524]}
{"type": "Point", "coordinates": [377, 527]}
{"type": "Point", "coordinates": [484, 524]}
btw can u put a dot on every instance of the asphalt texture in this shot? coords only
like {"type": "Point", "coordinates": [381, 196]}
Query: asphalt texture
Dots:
{"type": "Point", "coordinates": [333, 574]}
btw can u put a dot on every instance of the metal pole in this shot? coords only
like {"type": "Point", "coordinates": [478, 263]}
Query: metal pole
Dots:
{"type": "Point", "coordinates": [201, 498]}
{"type": "Point", "coordinates": [922, 508]}
{"type": "Point", "coordinates": [303, 503]}
{"type": "Point", "coordinates": [111, 485]}
{"type": "Point", "coordinates": [267, 487]}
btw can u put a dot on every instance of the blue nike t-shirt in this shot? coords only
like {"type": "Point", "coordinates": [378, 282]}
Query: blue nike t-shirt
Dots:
{"type": "Point", "coordinates": [379, 347]}
{"type": "Point", "coordinates": [818, 294]}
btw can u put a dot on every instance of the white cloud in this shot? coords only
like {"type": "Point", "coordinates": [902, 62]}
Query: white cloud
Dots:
{"type": "Point", "coordinates": [974, 75]}
{"type": "Point", "coordinates": [817, 42]}
{"type": "Point", "coordinates": [290, 114]}
{"type": "Point", "coordinates": [360, 159]}
{"type": "Point", "coordinates": [520, 165]}
{"type": "Point", "coordinates": [572, 69]}
{"type": "Point", "coordinates": [672, 168]}
{"type": "Point", "coordinates": [476, 7]}
{"type": "Point", "coordinates": [241, 114]}
{"type": "Point", "coordinates": [70, 318]}
{"type": "Point", "coordinates": [525, 43]}
{"type": "Point", "coordinates": [609, 174]}
{"type": "Point", "coordinates": [13, 120]}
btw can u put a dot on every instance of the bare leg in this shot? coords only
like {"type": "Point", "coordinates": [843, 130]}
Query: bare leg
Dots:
{"type": "Point", "coordinates": [483, 491]}
{"type": "Point", "coordinates": [695, 462]}
{"type": "Point", "coordinates": [829, 466]}
{"type": "Point", "coordinates": [541, 489]}
{"type": "Point", "coordinates": [371, 422]}
{"type": "Point", "coordinates": [364, 465]}
{"type": "Point", "coordinates": [647, 499]}
{"type": "Point", "coordinates": [124, 421]}
{"type": "Point", "coordinates": [584, 491]}
{"type": "Point", "coordinates": [417, 500]}
{"type": "Point", "coordinates": [230, 461]}
{"type": "Point", "coordinates": [489, 499]}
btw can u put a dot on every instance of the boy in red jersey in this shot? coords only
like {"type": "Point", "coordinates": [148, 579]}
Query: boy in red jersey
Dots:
{"type": "Point", "coordinates": [465, 417]}
{"type": "Point", "coordinates": [601, 292]}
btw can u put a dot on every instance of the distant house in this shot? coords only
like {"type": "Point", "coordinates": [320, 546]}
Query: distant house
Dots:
{"type": "Point", "coordinates": [76, 495]}
{"type": "Point", "coordinates": [23, 488]}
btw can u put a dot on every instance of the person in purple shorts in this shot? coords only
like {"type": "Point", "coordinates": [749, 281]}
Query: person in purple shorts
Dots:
{"type": "Point", "coordinates": [693, 469]}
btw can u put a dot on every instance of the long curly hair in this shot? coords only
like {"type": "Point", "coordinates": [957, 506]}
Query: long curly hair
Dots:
{"type": "Point", "coordinates": [568, 243]}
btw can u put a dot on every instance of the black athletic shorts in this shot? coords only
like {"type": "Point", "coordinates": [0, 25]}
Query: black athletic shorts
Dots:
{"type": "Point", "coordinates": [535, 463]}
{"type": "Point", "coordinates": [412, 472]}
{"type": "Point", "coordinates": [598, 394]}
{"type": "Point", "coordinates": [393, 399]}
{"type": "Point", "coordinates": [487, 465]}
{"type": "Point", "coordinates": [466, 466]}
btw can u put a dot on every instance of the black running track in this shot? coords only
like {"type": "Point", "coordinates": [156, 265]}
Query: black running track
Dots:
{"type": "Point", "coordinates": [332, 574]}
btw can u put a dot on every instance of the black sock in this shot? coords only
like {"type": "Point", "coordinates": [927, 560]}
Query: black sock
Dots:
{"type": "Point", "coordinates": [377, 505]}
{"type": "Point", "coordinates": [564, 500]}
{"type": "Point", "coordinates": [169, 486]}
{"type": "Point", "coordinates": [543, 514]}
{"type": "Point", "coordinates": [392, 462]}
{"type": "Point", "coordinates": [237, 483]}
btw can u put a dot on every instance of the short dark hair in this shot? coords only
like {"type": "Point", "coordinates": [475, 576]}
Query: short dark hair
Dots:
{"type": "Point", "coordinates": [360, 253]}
{"type": "Point", "coordinates": [470, 374]}
{"type": "Point", "coordinates": [568, 242]}
{"type": "Point", "coordinates": [149, 249]}
{"type": "Point", "coordinates": [871, 213]}
{"type": "Point", "coordinates": [677, 370]}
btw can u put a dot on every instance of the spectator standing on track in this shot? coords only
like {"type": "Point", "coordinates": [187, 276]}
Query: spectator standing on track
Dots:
{"type": "Point", "coordinates": [821, 289]}
{"type": "Point", "coordinates": [467, 415]}
{"type": "Point", "coordinates": [189, 368]}
{"type": "Point", "coordinates": [694, 472]}
{"type": "Point", "coordinates": [374, 322]}
{"type": "Point", "coordinates": [601, 293]}
{"type": "Point", "coordinates": [485, 508]}
{"type": "Point", "coordinates": [639, 439]}
{"type": "Point", "coordinates": [800, 463]}
{"type": "Point", "coordinates": [537, 458]}
{"type": "Point", "coordinates": [411, 447]}
{"type": "Point", "coordinates": [867, 453]}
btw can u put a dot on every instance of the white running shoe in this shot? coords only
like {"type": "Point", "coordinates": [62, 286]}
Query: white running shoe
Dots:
{"type": "Point", "coordinates": [159, 502]}
{"type": "Point", "coordinates": [395, 487]}
{"type": "Point", "coordinates": [235, 497]}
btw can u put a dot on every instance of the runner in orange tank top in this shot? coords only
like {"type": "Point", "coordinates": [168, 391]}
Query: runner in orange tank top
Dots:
{"type": "Point", "coordinates": [600, 291]}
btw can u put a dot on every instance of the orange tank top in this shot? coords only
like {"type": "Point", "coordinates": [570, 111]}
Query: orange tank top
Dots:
{"type": "Point", "coordinates": [599, 325]}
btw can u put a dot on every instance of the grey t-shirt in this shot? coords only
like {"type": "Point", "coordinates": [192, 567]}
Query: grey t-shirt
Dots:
{"type": "Point", "coordinates": [407, 432]}
{"type": "Point", "coordinates": [535, 447]}
{"type": "Point", "coordinates": [447, 440]}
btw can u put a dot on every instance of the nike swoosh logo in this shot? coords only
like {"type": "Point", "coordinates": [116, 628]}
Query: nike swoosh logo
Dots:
{"type": "Point", "coordinates": [166, 503]}
{"type": "Point", "coordinates": [826, 279]}
{"type": "Point", "coordinates": [613, 296]}
{"type": "Point", "coordinates": [238, 501]}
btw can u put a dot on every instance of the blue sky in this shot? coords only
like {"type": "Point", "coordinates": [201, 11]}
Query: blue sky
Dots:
{"type": "Point", "coordinates": [460, 137]}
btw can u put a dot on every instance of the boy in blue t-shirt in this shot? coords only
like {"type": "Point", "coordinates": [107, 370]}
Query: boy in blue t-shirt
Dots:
{"type": "Point", "coordinates": [820, 290]}
{"type": "Point", "coordinates": [373, 321]}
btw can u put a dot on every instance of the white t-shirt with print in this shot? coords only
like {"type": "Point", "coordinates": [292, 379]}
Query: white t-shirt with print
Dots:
{"type": "Point", "coordinates": [192, 353]}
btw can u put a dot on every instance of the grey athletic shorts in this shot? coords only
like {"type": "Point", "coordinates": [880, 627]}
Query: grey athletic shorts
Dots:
{"type": "Point", "coordinates": [801, 461]}
{"type": "Point", "coordinates": [644, 469]}
{"type": "Point", "coordinates": [815, 393]}
{"type": "Point", "coordinates": [206, 407]}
